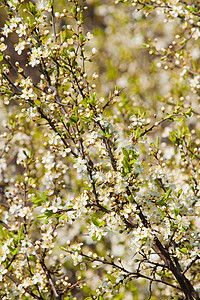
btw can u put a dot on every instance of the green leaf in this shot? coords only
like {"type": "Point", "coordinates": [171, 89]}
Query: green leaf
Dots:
{"type": "Point", "coordinates": [73, 10]}
{"type": "Point", "coordinates": [130, 198]}
{"type": "Point", "coordinates": [73, 119]}
{"type": "Point", "coordinates": [168, 117]}
{"type": "Point", "coordinates": [95, 221]}
{"type": "Point", "coordinates": [168, 194]}
{"type": "Point", "coordinates": [63, 248]}
{"type": "Point", "coordinates": [94, 238]}
{"type": "Point", "coordinates": [41, 198]}
{"type": "Point", "coordinates": [125, 152]}
{"type": "Point", "coordinates": [108, 136]}
{"type": "Point", "coordinates": [86, 119]}
{"type": "Point", "coordinates": [14, 252]}
{"type": "Point", "coordinates": [157, 142]}
{"type": "Point", "coordinates": [111, 278]}
{"type": "Point", "coordinates": [75, 108]}
{"type": "Point", "coordinates": [87, 258]}
{"type": "Point", "coordinates": [41, 216]}
{"type": "Point", "coordinates": [92, 99]}
{"type": "Point", "coordinates": [183, 250]}
{"type": "Point", "coordinates": [81, 38]}
{"type": "Point", "coordinates": [137, 132]}
{"type": "Point", "coordinates": [179, 192]}
{"type": "Point", "coordinates": [81, 17]}
{"type": "Point", "coordinates": [32, 258]}
{"type": "Point", "coordinates": [125, 162]}
{"type": "Point", "coordinates": [127, 170]}
{"type": "Point", "coordinates": [102, 223]}
{"type": "Point", "coordinates": [161, 202]}
{"type": "Point", "coordinates": [20, 233]}
{"type": "Point", "coordinates": [176, 211]}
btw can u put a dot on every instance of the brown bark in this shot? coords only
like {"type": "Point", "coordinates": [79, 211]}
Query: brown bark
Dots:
{"type": "Point", "coordinates": [186, 286]}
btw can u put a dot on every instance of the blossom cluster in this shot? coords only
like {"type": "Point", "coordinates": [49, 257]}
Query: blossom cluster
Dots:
{"type": "Point", "coordinates": [99, 183]}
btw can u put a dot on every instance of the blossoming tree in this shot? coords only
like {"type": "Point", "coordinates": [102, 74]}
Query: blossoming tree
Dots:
{"type": "Point", "coordinates": [99, 177]}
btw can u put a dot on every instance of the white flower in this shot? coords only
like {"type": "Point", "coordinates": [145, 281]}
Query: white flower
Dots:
{"type": "Point", "coordinates": [137, 121]}
{"type": "Point", "coordinates": [63, 151]}
{"type": "Point", "coordinates": [21, 30]}
{"type": "Point", "coordinates": [35, 56]}
{"type": "Point", "coordinates": [20, 47]}
{"type": "Point", "coordinates": [80, 165]}
{"type": "Point", "coordinates": [24, 211]}
{"type": "Point", "coordinates": [89, 35]}
{"type": "Point", "coordinates": [3, 47]}
{"type": "Point", "coordinates": [94, 50]}
{"type": "Point", "coordinates": [4, 250]}
{"type": "Point", "coordinates": [196, 33]}
{"type": "Point", "coordinates": [43, 5]}
{"type": "Point", "coordinates": [21, 157]}
{"type": "Point", "coordinates": [3, 271]}
{"type": "Point", "coordinates": [32, 112]}
{"type": "Point", "coordinates": [76, 258]}
{"type": "Point", "coordinates": [176, 10]}
{"type": "Point", "coordinates": [72, 54]}
{"type": "Point", "coordinates": [97, 232]}
{"type": "Point", "coordinates": [182, 222]}
{"type": "Point", "coordinates": [56, 204]}
{"type": "Point", "coordinates": [54, 137]}
{"type": "Point", "coordinates": [48, 161]}
{"type": "Point", "coordinates": [37, 278]}
{"type": "Point", "coordinates": [28, 94]}
{"type": "Point", "coordinates": [6, 30]}
{"type": "Point", "coordinates": [57, 14]}
{"type": "Point", "coordinates": [48, 179]}
{"type": "Point", "coordinates": [13, 22]}
{"type": "Point", "coordinates": [70, 41]}
{"type": "Point", "coordinates": [195, 83]}
{"type": "Point", "coordinates": [94, 76]}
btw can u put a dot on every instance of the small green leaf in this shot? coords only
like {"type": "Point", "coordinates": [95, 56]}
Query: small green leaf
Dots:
{"type": "Point", "coordinates": [179, 192]}
{"type": "Point", "coordinates": [81, 38]}
{"type": "Point", "coordinates": [20, 233]}
{"type": "Point", "coordinates": [94, 238]}
{"type": "Point", "coordinates": [183, 250]}
{"type": "Point", "coordinates": [95, 221]}
{"type": "Point", "coordinates": [176, 211]}
{"type": "Point", "coordinates": [14, 252]}
{"type": "Point", "coordinates": [157, 142]}
{"type": "Point", "coordinates": [73, 10]}
{"type": "Point", "coordinates": [81, 17]}
{"type": "Point", "coordinates": [168, 194]}
{"type": "Point", "coordinates": [137, 132]}
{"type": "Point", "coordinates": [75, 108]}
{"type": "Point", "coordinates": [125, 152]}
{"type": "Point", "coordinates": [41, 216]}
{"type": "Point", "coordinates": [111, 278]}
{"type": "Point", "coordinates": [73, 119]}
{"type": "Point", "coordinates": [130, 198]}
{"type": "Point", "coordinates": [64, 249]}
{"type": "Point", "coordinates": [161, 202]}
{"type": "Point", "coordinates": [102, 223]}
